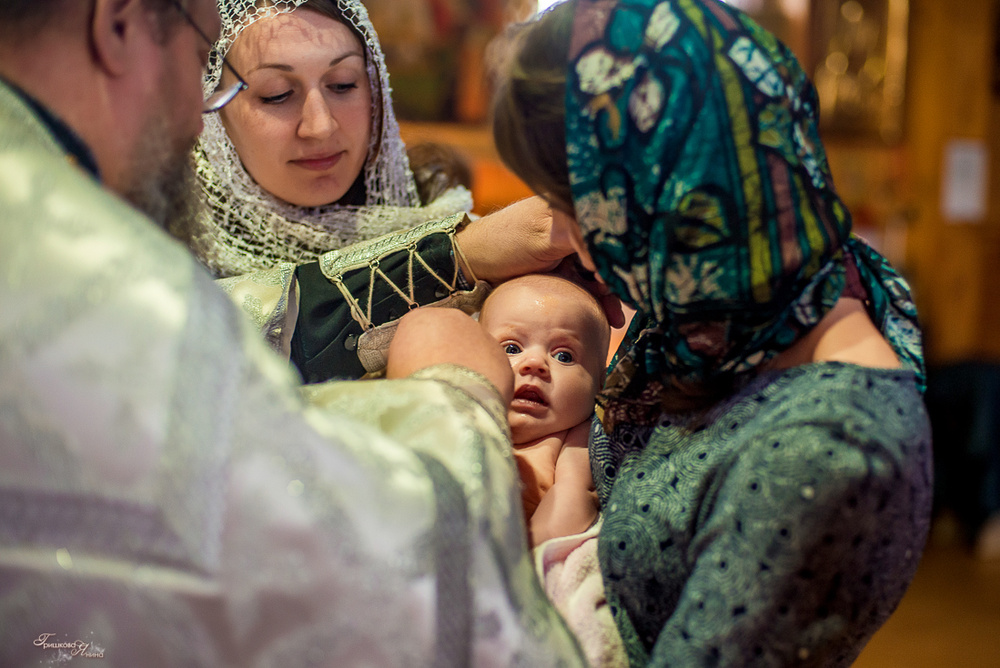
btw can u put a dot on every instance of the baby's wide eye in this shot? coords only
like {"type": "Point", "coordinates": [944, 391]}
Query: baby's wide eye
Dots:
{"type": "Point", "coordinates": [512, 349]}
{"type": "Point", "coordinates": [564, 356]}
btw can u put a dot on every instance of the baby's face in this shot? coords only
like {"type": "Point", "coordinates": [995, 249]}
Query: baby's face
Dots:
{"type": "Point", "coordinates": [555, 347]}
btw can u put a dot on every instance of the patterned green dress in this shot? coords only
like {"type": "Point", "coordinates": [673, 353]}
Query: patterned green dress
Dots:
{"type": "Point", "coordinates": [782, 533]}
{"type": "Point", "coordinates": [783, 526]}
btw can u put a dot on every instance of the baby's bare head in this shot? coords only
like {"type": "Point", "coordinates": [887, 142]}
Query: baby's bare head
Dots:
{"type": "Point", "coordinates": [552, 295]}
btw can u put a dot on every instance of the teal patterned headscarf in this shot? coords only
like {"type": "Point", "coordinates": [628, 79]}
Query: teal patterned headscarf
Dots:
{"type": "Point", "coordinates": [703, 192]}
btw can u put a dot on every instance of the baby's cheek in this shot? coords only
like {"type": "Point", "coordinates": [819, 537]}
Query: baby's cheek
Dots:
{"type": "Point", "coordinates": [518, 425]}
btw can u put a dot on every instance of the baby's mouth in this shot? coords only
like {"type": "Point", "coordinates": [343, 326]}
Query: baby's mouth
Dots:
{"type": "Point", "coordinates": [531, 395]}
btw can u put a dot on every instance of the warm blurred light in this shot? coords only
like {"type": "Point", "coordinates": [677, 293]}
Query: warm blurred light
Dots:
{"type": "Point", "coordinates": [545, 4]}
{"type": "Point", "coordinates": [749, 6]}
{"type": "Point", "coordinates": [794, 9]}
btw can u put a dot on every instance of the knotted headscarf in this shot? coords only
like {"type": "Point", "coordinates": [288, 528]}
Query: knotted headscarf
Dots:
{"type": "Point", "coordinates": [704, 196]}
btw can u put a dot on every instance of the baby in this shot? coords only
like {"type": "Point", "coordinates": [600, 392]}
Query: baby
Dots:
{"type": "Point", "coordinates": [556, 336]}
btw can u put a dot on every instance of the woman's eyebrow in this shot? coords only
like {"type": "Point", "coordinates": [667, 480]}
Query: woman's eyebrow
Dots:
{"type": "Point", "coordinates": [345, 56]}
{"type": "Point", "coordinates": [288, 68]}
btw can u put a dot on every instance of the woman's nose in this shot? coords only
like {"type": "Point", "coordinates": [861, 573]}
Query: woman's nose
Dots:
{"type": "Point", "coordinates": [317, 122]}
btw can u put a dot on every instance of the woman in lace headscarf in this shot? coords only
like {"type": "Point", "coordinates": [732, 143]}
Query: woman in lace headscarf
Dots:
{"type": "Point", "coordinates": [763, 456]}
{"type": "Point", "coordinates": [351, 181]}
{"type": "Point", "coordinates": [326, 254]}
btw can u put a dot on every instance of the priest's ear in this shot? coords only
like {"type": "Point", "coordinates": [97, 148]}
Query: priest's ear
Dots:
{"type": "Point", "coordinates": [118, 30]}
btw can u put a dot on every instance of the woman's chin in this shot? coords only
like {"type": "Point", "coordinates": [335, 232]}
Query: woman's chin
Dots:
{"type": "Point", "coordinates": [311, 199]}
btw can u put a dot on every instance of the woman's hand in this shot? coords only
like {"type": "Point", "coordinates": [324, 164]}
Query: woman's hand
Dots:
{"type": "Point", "coordinates": [513, 241]}
{"type": "Point", "coordinates": [520, 239]}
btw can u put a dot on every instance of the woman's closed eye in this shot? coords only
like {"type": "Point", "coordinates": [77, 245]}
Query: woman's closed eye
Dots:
{"type": "Point", "coordinates": [276, 99]}
{"type": "Point", "coordinates": [338, 88]}
{"type": "Point", "coordinates": [343, 87]}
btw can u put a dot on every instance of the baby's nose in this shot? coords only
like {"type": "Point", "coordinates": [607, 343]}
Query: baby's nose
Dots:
{"type": "Point", "coordinates": [533, 364]}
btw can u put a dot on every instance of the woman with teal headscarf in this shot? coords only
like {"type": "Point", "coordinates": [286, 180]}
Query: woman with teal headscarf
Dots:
{"type": "Point", "coordinates": [762, 454]}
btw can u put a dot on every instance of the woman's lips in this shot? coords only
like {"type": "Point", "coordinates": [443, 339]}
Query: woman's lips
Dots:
{"type": "Point", "coordinates": [320, 163]}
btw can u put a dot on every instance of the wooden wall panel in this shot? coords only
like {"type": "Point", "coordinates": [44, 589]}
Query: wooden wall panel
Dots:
{"type": "Point", "coordinates": [949, 97]}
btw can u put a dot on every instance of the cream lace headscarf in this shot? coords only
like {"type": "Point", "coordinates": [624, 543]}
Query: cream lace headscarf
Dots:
{"type": "Point", "coordinates": [244, 228]}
